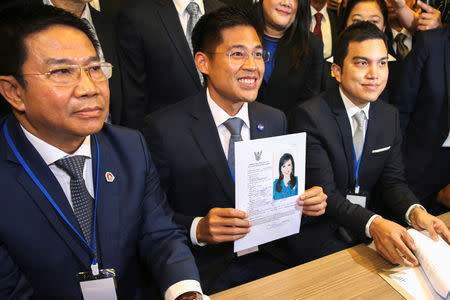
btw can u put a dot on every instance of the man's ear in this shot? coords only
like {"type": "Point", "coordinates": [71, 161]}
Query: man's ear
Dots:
{"type": "Point", "coordinates": [202, 62]}
{"type": "Point", "coordinates": [12, 91]}
{"type": "Point", "coordinates": [336, 71]}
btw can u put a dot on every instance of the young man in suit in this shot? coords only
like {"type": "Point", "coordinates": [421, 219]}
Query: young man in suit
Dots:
{"type": "Point", "coordinates": [422, 97]}
{"type": "Point", "coordinates": [354, 144]}
{"type": "Point", "coordinates": [78, 195]}
{"type": "Point", "coordinates": [190, 143]}
{"type": "Point", "coordinates": [155, 57]}
{"type": "Point", "coordinates": [102, 25]}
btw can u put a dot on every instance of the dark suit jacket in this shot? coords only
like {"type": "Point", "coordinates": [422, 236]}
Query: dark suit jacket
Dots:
{"type": "Point", "coordinates": [135, 229]}
{"type": "Point", "coordinates": [330, 159]}
{"type": "Point", "coordinates": [422, 97]}
{"type": "Point", "coordinates": [336, 27]}
{"type": "Point", "coordinates": [104, 26]}
{"type": "Point", "coordinates": [194, 172]}
{"type": "Point", "coordinates": [157, 65]}
{"type": "Point", "coordinates": [288, 87]}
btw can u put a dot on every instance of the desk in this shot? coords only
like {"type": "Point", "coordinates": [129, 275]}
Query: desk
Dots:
{"type": "Point", "coordinates": [348, 274]}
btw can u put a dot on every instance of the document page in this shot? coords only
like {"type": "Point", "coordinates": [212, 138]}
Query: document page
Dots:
{"type": "Point", "coordinates": [270, 175]}
{"type": "Point", "coordinates": [429, 280]}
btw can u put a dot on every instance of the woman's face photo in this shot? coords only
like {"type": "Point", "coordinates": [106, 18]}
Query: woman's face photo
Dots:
{"type": "Point", "coordinates": [286, 168]}
{"type": "Point", "coordinates": [366, 11]}
{"type": "Point", "coordinates": [279, 15]}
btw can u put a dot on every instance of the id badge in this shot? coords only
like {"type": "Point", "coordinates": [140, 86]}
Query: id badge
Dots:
{"type": "Point", "coordinates": [98, 287]}
{"type": "Point", "coordinates": [357, 197]}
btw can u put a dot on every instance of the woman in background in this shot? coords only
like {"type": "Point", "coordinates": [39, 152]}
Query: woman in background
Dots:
{"type": "Point", "coordinates": [286, 184]}
{"type": "Point", "coordinates": [294, 70]}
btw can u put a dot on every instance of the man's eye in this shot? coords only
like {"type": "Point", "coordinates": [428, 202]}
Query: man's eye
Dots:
{"type": "Point", "coordinates": [361, 63]}
{"type": "Point", "coordinates": [383, 63]}
{"type": "Point", "coordinates": [61, 71]}
{"type": "Point", "coordinates": [258, 54]}
{"type": "Point", "coordinates": [237, 54]}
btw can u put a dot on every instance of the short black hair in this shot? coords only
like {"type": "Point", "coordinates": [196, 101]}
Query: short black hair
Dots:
{"type": "Point", "coordinates": [358, 32]}
{"type": "Point", "coordinates": [207, 33]}
{"type": "Point", "coordinates": [19, 22]}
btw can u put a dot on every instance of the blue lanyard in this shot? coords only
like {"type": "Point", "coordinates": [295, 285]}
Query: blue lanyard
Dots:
{"type": "Point", "coordinates": [357, 164]}
{"type": "Point", "coordinates": [50, 199]}
{"type": "Point", "coordinates": [231, 172]}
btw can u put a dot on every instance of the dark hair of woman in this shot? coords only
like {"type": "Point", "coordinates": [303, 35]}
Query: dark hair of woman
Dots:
{"type": "Point", "coordinates": [293, 182]}
{"type": "Point", "coordinates": [384, 11]}
{"type": "Point", "coordinates": [297, 35]}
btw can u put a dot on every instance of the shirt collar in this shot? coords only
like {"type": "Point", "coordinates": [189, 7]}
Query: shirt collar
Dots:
{"type": "Point", "coordinates": [181, 5]}
{"type": "Point", "coordinates": [220, 116]}
{"type": "Point", "coordinates": [50, 153]}
{"type": "Point", "coordinates": [351, 108]}
{"type": "Point", "coordinates": [404, 31]}
{"type": "Point", "coordinates": [85, 15]}
{"type": "Point", "coordinates": [323, 11]}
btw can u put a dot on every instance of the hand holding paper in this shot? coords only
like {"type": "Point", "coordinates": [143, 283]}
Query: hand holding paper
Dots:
{"type": "Point", "coordinates": [223, 225]}
{"type": "Point", "coordinates": [393, 242]}
{"type": "Point", "coordinates": [420, 220]}
{"type": "Point", "coordinates": [314, 201]}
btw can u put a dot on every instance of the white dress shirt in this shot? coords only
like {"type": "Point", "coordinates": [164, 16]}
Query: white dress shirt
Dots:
{"type": "Point", "coordinates": [351, 110]}
{"type": "Point", "coordinates": [181, 5]}
{"type": "Point", "coordinates": [220, 116]}
{"type": "Point", "coordinates": [326, 30]}
{"type": "Point", "coordinates": [51, 154]}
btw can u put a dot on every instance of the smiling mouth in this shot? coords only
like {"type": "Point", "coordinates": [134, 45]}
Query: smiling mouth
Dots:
{"type": "Point", "coordinates": [90, 112]}
{"type": "Point", "coordinates": [283, 12]}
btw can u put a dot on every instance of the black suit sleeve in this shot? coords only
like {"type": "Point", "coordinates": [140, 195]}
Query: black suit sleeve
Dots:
{"type": "Point", "coordinates": [319, 172]}
{"type": "Point", "coordinates": [155, 140]}
{"type": "Point", "coordinates": [13, 284]}
{"type": "Point", "coordinates": [405, 92]}
{"type": "Point", "coordinates": [132, 65]}
{"type": "Point", "coordinates": [163, 244]}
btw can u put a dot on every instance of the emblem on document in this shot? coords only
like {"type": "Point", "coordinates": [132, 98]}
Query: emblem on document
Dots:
{"type": "Point", "coordinates": [109, 177]}
{"type": "Point", "coordinates": [258, 155]}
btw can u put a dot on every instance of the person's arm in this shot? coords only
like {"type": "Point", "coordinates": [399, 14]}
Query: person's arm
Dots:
{"type": "Point", "coordinates": [429, 18]}
{"type": "Point", "coordinates": [13, 284]}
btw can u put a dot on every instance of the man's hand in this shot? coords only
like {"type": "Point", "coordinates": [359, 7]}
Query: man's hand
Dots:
{"type": "Point", "coordinates": [429, 18]}
{"type": "Point", "coordinates": [421, 220]}
{"type": "Point", "coordinates": [393, 242]}
{"type": "Point", "coordinates": [444, 196]}
{"type": "Point", "coordinates": [223, 225]}
{"type": "Point", "coordinates": [314, 201]}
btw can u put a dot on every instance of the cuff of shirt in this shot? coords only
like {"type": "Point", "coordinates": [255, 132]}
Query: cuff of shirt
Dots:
{"type": "Point", "coordinates": [368, 225]}
{"type": "Point", "coordinates": [182, 287]}
{"type": "Point", "coordinates": [193, 232]}
{"type": "Point", "coordinates": [409, 211]}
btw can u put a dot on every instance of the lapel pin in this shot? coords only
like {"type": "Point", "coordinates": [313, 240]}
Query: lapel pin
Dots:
{"type": "Point", "coordinates": [260, 127]}
{"type": "Point", "coordinates": [109, 177]}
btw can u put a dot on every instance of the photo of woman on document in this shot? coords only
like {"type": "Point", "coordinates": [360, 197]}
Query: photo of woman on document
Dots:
{"type": "Point", "coordinates": [286, 184]}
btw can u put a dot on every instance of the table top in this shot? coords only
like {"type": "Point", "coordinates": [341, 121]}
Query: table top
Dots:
{"type": "Point", "coordinates": [347, 274]}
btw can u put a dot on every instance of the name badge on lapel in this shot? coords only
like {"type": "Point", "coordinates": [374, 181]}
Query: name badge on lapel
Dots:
{"type": "Point", "coordinates": [98, 287]}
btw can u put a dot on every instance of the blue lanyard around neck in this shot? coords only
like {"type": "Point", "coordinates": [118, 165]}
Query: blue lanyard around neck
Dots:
{"type": "Point", "coordinates": [49, 197]}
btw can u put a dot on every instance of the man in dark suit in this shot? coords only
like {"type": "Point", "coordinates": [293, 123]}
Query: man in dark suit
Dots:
{"type": "Point", "coordinates": [157, 65]}
{"type": "Point", "coordinates": [78, 195]}
{"type": "Point", "coordinates": [422, 97]}
{"type": "Point", "coordinates": [354, 144]}
{"type": "Point", "coordinates": [102, 24]}
{"type": "Point", "coordinates": [191, 141]}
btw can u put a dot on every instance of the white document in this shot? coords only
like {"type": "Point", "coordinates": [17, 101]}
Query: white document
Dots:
{"type": "Point", "coordinates": [270, 175]}
{"type": "Point", "coordinates": [430, 280]}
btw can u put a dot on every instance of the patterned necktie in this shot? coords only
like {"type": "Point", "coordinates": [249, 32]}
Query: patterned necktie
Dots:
{"type": "Point", "coordinates": [402, 50]}
{"type": "Point", "coordinates": [234, 126]}
{"type": "Point", "coordinates": [82, 202]}
{"type": "Point", "coordinates": [194, 12]}
{"type": "Point", "coordinates": [318, 28]}
{"type": "Point", "coordinates": [358, 136]}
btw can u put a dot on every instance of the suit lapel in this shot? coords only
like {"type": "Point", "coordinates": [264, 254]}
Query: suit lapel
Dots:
{"type": "Point", "coordinates": [108, 214]}
{"type": "Point", "coordinates": [204, 131]}
{"type": "Point", "coordinates": [48, 180]}
{"type": "Point", "coordinates": [337, 106]}
{"type": "Point", "coordinates": [171, 22]}
{"type": "Point", "coordinates": [255, 121]}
